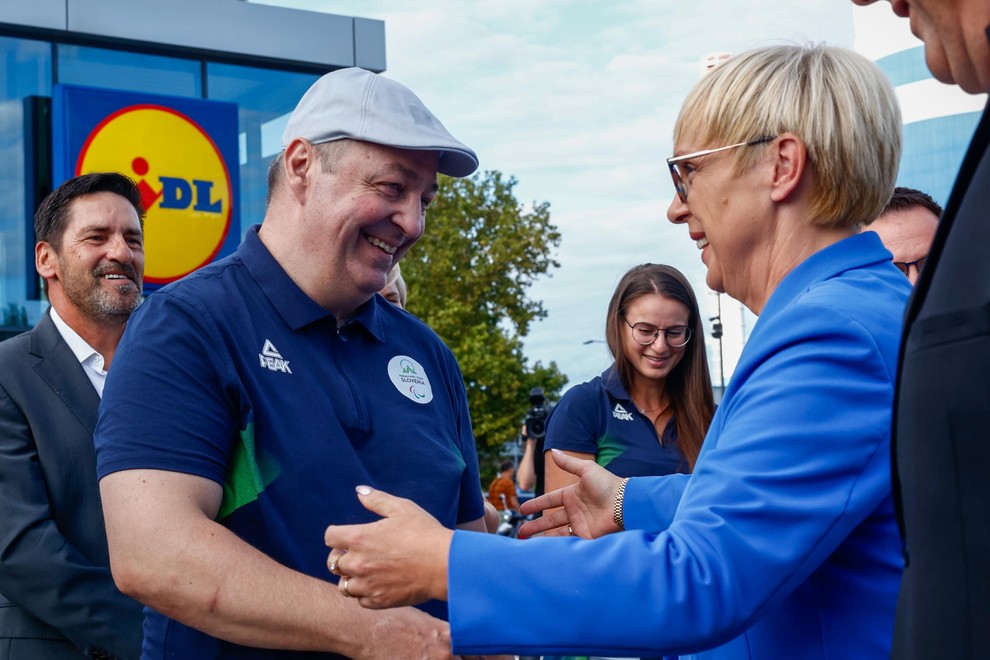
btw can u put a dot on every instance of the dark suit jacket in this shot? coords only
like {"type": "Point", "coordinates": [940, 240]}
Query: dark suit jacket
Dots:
{"type": "Point", "coordinates": [55, 580]}
{"type": "Point", "coordinates": [942, 431]}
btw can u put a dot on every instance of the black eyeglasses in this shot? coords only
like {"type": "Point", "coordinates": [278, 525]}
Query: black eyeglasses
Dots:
{"type": "Point", "coordinates": [645, 334]}
{"type": "Point", "coordinates": [905, 266]}
{"type": "Point", "coordinates": [679, 177]}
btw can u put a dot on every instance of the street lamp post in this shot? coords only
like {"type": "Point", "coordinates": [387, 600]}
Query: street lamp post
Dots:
{"type": "Point", "coordinates": [717, 334]}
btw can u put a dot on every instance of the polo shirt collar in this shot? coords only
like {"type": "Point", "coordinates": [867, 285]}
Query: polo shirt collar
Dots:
{"type": "Point", "coordinates": [370, 316]}
{"type": "Point", "coordinates": [613, 384]}
{"type": "Point", "coordinates": [295, 307]}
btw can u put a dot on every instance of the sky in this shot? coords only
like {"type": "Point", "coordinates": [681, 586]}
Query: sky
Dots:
{"type": "Point", "coordinates": [577, 99]}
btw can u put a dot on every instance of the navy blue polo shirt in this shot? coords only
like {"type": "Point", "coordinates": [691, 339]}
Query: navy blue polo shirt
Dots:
{"type": "Point", "coordinates": [599, 417]}
{"type": "Point", "coordinates": [235, 375]}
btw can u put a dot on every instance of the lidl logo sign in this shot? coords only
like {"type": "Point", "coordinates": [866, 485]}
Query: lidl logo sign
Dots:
{"type": "Point", "coordinates": [174, 149]}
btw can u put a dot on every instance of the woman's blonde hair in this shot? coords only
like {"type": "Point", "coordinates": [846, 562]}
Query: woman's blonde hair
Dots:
{"type": "Point", "coordinates": [395, 277]}
{"type": "Point", "coordinates": [840, 104]}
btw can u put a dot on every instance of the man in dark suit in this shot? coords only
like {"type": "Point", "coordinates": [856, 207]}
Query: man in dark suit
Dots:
{"type": "Point", "coordinates": [942, 411]}
{"type": "Point", "coordinates": [57, 597]}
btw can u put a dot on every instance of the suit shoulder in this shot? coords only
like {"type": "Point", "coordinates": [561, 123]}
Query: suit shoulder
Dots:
{"type": "Point", "coordinates": [15, 346]}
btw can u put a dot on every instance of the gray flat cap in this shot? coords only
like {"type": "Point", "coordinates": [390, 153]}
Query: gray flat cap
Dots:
{"type": "Point", "coordinates": [359, 105]}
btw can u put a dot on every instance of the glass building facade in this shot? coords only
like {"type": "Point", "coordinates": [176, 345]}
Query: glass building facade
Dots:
{"type": "Point", "coordinates": [933, 147]}
{"type": "Point", "coordinates": [32, 61]}
{"type": "Point", "coordinates": [939, 119]}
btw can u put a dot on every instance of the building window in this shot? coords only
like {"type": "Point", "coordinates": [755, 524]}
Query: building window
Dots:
{"type": "Point", "coordinates": [27, 66]}
{"type": "Point", "coordinates": [905, 66]}
{"type": "Point", "coordinates": [933, 152]}
{"type": "Point", "coordinates": [264, 99]}
{"type": "Point", "coordinates": [129, 71]}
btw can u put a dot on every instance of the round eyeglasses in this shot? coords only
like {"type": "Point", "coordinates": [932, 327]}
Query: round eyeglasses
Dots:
{"type": "Point", "coordinates": [645, 334]}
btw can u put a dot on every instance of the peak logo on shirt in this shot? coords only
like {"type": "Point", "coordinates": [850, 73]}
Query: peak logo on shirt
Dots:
{"type": "Point", "coordinates": [272, 360]}
{"type": "Point", "coordinates": [409, 377]}
{"type": "Point", "coordinates": [621, 413]}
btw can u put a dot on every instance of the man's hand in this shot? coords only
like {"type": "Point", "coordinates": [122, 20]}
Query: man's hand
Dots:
{"type": "Point", "coordinates": [407, 633]}
{"type": "Point", "coordinates": [398, 560]}
{"type": "Point", "coordinates": [586, 506]}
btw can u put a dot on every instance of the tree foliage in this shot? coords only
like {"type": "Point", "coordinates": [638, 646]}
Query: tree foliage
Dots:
{"type": "Point", "coordinates": [468, 278]}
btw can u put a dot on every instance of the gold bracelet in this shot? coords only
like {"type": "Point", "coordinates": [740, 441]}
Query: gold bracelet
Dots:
{"type": "Point", "coordinates": [617, 505]}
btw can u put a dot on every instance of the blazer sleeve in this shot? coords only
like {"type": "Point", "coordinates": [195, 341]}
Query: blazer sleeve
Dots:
{"type": "Point", "coordinates": [801, 459]}
{"type": "Point", "coordinates": [40, 570]}
{"type": "Point", "coordinates": [649, 503]}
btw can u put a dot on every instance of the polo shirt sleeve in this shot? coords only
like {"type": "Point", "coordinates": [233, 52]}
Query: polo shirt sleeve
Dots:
{"type": "Point", "coordinates": [575, 423]}
{"type": "Point", "coordinates": [471, 505]}
{"type": "Point", "coordinates": [170, 401]}
{"type": "Point", "coordinates": [801, 459]}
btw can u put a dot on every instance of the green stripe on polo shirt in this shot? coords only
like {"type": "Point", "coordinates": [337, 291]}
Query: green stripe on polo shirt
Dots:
{"type": "Point", "coordinates": [247, 475]}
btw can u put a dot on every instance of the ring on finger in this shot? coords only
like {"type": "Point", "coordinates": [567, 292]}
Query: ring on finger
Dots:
{"type": "Point", "coordinates": [570, 530]}
{"type": "Point", "coordinates": [333, 566]}
{"type": "Point", "coordinates": [343, 587]}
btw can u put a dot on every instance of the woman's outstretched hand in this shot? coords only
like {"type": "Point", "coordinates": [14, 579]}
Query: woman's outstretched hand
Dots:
{"type": "Point", "coordinates": [398, 560]}
{"type": "Point", "coordinates": [586, 508]}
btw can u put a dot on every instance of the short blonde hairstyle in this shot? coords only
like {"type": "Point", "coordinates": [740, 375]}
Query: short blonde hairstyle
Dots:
{"type": "Point", "coordinates": [395, 277]}
{"type": "Point", "coordinates": [840, 104]}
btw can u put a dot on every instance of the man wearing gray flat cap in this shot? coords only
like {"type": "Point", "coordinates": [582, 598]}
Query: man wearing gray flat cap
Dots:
{"type": "Point", "coordinates": [249, 399]}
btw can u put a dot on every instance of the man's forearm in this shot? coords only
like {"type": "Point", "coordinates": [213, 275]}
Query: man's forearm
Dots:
{"type": "Point", "coordinates": [168, 552]}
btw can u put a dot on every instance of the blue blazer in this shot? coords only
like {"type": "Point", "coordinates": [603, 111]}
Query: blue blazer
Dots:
{"type": "Point", "coordinates": [55, 582]}
{"type": "Point", "coordinates": [781, 544]}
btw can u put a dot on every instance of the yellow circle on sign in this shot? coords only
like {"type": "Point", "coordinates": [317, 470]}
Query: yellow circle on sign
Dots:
{"type": "Point", "coordinates": [183, 179]}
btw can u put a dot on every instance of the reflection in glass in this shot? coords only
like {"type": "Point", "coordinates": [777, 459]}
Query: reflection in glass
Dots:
{"type": "Point", "coordinates": [27, 69]}
{"type": "Point", "coordinates": [264, 98]}
{"type": "Point", "coordinates": [128, 71]}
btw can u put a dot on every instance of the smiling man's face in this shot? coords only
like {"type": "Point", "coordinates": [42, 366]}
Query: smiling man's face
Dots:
{"type": "Point", "coordinates": [362, 216]}
{"type": "Point", "coordinates": [100, 263]}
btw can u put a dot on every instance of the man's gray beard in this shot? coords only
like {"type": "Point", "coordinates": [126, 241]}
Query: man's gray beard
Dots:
{"type": "Point", "coordinates": [110, 308]}
{"type": "Point", "coordinates": [102, 305]}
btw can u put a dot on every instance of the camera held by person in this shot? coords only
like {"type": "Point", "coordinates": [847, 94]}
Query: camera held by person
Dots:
{"type": "Point", "coordinates": [536, 418]}
{"type": "Point", "coordinates": [533, 432]}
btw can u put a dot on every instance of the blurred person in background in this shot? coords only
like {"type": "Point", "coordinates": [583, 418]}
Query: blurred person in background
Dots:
{"type": "Point", "coordinates": [526, 474]}
{"type": "Point", "coordinates": [907, 227]}
{"type": "Point", "coordinates": [503, 486]}
{"type": "Point", "coordinates": [395, 288]}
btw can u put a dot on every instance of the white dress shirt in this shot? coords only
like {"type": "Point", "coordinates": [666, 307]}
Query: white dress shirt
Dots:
{"type": "Point", "coordinates": [92, 362]}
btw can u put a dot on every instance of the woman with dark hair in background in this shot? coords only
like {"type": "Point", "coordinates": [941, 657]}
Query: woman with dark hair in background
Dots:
{"type": "Point", "coordinates": [648, 413]}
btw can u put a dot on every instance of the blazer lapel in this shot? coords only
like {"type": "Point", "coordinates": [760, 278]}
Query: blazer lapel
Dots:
{"type": "Point", "coordinates": [975, 154]}
{"type": "Point", "coordinates": [60, 370]}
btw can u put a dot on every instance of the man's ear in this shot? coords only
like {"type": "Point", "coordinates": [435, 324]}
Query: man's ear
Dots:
{"type": "Point", "coordinates": [790, 166]}
{"type": "Point", "coordinates": [45, 260]}
{"type": "Point", "coordinates": [298, 162]}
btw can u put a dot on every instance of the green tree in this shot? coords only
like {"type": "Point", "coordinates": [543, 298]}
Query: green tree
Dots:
{"type": "Point", "coordinates": [468, 278]}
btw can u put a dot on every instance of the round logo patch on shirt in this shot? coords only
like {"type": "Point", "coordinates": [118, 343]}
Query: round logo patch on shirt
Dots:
{"type": "Point", "coordinates": [410, 379]}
